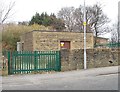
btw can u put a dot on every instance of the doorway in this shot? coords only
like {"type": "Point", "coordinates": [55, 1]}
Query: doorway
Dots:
{"type": "Point", "coordinates": [65, 44]}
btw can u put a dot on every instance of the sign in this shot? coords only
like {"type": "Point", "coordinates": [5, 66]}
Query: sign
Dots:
{"type": "Point", "coordinates": [62, 43]}
{"type": "Point", "coordinates": [84, 23]}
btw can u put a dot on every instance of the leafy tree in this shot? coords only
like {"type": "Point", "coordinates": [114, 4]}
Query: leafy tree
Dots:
{"type": "Point", "coordinates": [48, 20]}
{"type": "Point", "coordinates": [36, 19]}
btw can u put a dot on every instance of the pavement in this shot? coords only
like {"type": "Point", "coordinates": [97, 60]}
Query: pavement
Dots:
{"type": "Point", "coordinates": [105, 78]}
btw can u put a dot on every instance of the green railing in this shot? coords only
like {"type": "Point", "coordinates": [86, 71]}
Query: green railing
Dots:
{"type": "Point", "coordinates": [33, 61]}
{"type": "Point", "coordinates": [110, 45]}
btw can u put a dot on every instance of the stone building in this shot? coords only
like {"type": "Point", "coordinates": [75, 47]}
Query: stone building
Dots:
{"type": "Point", "coordinates": [101, 40]}
{"type": "Point", "coordinates": [51, 40]}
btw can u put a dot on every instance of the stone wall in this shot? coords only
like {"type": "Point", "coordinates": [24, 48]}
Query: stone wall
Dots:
{"type": "Point", "coordinates": [73, 59]}
{"type": "Point", "coordinates": [51, 40]}
{"type": "Point", "coordinates": [100, 40]}
{"type": "Point", "coordinates": [27, 40]}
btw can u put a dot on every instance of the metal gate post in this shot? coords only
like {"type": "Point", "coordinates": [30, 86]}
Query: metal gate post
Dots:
{"type": "Point", "coordinates": [9, 71]}
{"type": "Point", "coordinates": [35, 60]}
{"type": "Point", "coordinates": [58, 62]}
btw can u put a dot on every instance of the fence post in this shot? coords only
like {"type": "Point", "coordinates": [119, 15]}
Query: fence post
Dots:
{"type": "Point", "coordinates": [58, 62]}
{"type": "Point", "coordinates": [9, 63]}
{"type": "Point", "coordinates": [35, 60]}
{"type": "Point", "coordinates": [59, 55]}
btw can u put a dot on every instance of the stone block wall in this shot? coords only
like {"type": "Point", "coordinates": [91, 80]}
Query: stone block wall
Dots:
{"type": "Point", "coordinates": [74, 59]}
{"type": "Point", "coordinates": [45, 41]}
{"type": "Point", "coordinates": [27, 40]}
{"type": "Point", "coordinates": [51, 40]}
{"type": "Point", "coordinates": [100, 40]}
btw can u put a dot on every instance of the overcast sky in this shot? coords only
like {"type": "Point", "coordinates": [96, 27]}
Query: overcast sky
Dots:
{"type": "Point", "coordinates": [25, 9]}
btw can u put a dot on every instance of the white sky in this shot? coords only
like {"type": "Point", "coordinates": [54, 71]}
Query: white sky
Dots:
{"type": "Point", "coordinates": [25, 9]}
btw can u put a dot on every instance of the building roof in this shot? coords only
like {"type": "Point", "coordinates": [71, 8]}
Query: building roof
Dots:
{"type": "Point", "coordinates": [101, 38]}
{"type": "Point", "coordinates": [51, 31]}
{"type": "Point", "coordinates": [57, 31]}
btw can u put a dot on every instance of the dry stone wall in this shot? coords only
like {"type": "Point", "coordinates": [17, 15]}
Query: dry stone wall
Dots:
{"type": "Point", "coordinates": [74, 59]}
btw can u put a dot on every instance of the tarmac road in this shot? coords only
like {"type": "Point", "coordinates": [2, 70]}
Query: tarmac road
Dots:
{"type": "Point", "coordinates": [91, 79]}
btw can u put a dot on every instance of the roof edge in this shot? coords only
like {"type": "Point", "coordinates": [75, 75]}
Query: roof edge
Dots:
{"type": "Point", "coordinates": [57, 31]}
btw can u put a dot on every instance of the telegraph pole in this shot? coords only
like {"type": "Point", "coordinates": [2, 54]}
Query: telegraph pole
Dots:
{"type": "Point", "coordinates": [84, 23]}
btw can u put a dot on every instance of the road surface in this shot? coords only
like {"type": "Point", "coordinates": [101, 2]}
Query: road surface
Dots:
{"type": "Point", "coordinates": [90, 79]}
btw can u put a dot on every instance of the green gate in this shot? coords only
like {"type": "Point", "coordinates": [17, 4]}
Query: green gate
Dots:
{"type": "Point", "coordinates": [20, 62]}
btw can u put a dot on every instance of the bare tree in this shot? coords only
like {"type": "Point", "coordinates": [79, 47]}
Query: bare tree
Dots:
{"type": "Point", "coordinates": [4, 15]}
{"type": "Point", "coordinates": [114, 33]}
{"type": "Point", "coordinates": [5, 12]}
{"type": "Point", "coordinates": [67, 15]}
{"type": "Point", "coordinates": [96, 19]}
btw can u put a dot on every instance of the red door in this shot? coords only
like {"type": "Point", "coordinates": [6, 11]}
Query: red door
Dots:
{"type": "Point", "coordinates": [65, 44]}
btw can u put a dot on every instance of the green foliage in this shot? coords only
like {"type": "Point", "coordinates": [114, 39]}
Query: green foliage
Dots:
{"type": "Point", "coordinates": [11, 34]}
{"type": "Point", "coordinates": [48, 20]}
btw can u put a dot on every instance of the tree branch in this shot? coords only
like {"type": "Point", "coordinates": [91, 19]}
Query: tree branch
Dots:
{"type": "Point", "coordinates": [11, 5]}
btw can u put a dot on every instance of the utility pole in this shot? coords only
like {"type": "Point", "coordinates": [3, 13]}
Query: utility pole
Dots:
{"type": "Point", "coordinates": [84, 23]}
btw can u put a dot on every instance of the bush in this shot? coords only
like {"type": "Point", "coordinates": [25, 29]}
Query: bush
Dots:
{"type": "Point", "coordinates": [11, 34]}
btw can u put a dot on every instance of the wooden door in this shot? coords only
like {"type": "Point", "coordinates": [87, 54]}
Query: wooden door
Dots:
{"type": "Point", "coordinates": [65, 44]}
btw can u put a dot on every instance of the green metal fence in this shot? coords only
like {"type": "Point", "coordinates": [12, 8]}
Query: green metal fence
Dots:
{"type": "Point", "coordinates": [110, 45]}
{"type": "Point", "coordinates": [20, 62]}
{"type": "Point", "coordinates": [113, 45]}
